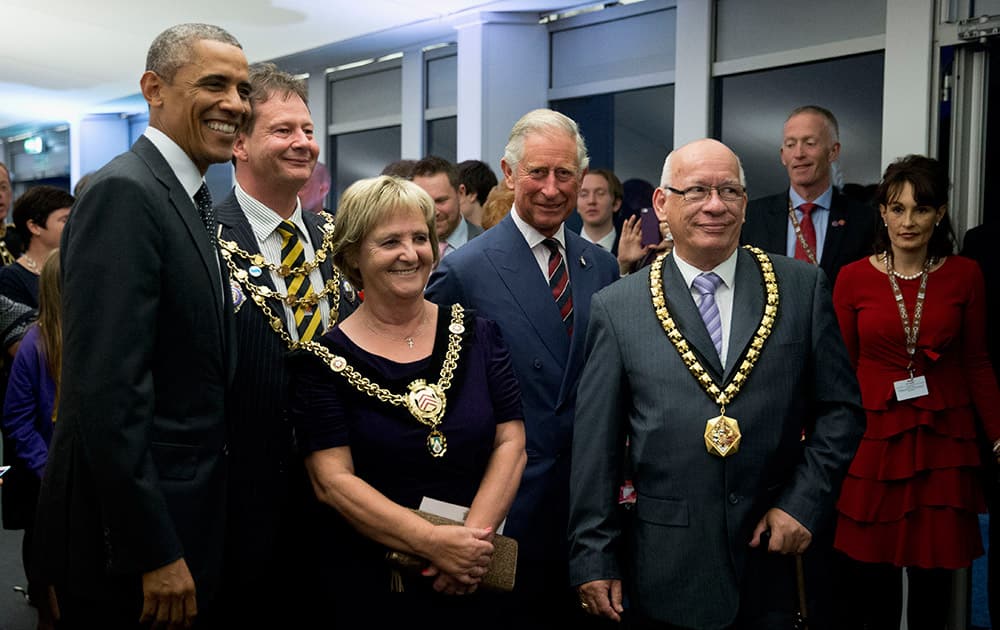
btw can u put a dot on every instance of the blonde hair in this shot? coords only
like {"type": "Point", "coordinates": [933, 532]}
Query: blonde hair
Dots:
{"type": "Point", "coordinates": [364, 206]}
{"type": "Point", "coordinates": [497, 205]}
{"type": "Point", "coordinates": [50, 315]}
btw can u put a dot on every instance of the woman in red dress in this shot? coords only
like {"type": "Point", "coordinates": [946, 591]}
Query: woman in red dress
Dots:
{"type": "Point", "coordinates": [914, 322]}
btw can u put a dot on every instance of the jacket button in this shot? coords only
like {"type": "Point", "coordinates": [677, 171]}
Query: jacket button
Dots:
{"type": "Point", "coordinates": [734, 498]}
{"type": "Point", "coordinates": [538, 364]}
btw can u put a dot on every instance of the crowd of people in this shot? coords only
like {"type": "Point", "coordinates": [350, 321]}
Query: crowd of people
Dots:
{"type": "Point", "coordinates": [696, 411]}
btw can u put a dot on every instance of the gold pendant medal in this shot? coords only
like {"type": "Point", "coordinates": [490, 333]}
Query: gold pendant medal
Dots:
{"type": "Point", "coordinates": [426, 402]}
{"type": "Point", "coordinates": [722, 435]}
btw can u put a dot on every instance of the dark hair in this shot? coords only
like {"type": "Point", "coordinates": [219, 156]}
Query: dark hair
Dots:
{"type": "Point", "coordinates": [35, 205]}
{"type": "Point", "coordinates": [399, 168]}
{"type": "Point", "coordinates": [477, 177]}
{"type": "Point", "coordinates": [614, 184]}
{"type": "Point", "coordinates": [173, 47]}
{"type": "Point", "coordinates": [637, 194]}
{"type": "Point", "coordinates": [432, 165]}
{"type": "Point", "coordinates": [929, 181]}
{"type": "Point", "coordinates": [268, 81]}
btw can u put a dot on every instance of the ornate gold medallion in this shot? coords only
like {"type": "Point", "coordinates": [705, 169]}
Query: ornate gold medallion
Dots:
{"type": "Point", "coordinates": [425, 401]}
{"type": "Point", "coordinates": [722, 435]}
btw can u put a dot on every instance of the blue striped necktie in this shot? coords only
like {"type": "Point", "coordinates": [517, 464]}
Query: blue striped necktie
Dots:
{"type": "Point", "coordinates": [706, 284]}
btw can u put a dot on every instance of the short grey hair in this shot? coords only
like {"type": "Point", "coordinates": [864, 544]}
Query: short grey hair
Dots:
{"type": "Point", "coordinates": [544, 121]}
{"type": "Point", "coordinates": [666, 173]}
{"type": "Point", "coordinates": [172, 48]}
{"type": "Point", "coordinates": [827, 115]}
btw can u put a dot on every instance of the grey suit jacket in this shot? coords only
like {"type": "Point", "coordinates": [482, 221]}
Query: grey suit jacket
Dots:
{"type": "Point", "coordinates": [850, 232]}
{"type": "Point", "coordinates": [136, 471]}
{"type": "Point", "coordinates": [695, 513]}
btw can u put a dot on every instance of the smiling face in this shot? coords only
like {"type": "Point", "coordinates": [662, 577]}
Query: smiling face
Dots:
{"type": "Point", "coordinates": [807, 151]}
{"type": "Point", "coordinates": [705, 232]}
{"type": "Point", "coordinates": [595, 203]}
{"type": "Point", "coordinates": [396, 257]}
{"type": "Point", "coordinates": [204, 104]}
{"type": "Point", "coordinates": [909, 225]}
{"type": "Point", "coordinates": [546, 180]}
{"type": "Point", "coordinates": [281, 151]}
{"type": "Point", "coordinates": [446, 206]}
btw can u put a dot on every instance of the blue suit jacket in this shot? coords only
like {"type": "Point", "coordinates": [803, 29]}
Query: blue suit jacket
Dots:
{"type": "Point", "coordinates": [496, 274]}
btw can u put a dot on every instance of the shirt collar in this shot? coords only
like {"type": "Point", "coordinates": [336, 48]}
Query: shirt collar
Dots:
{"type": "Point", "coordinates": [823, 201]}
{"type": "Point", "coordinates": [264, 220]}
{"type": "Point", "coordinates": [725, 270]}
{"type": "Point", "coordinates": [533, 236]}
{"type": "Point", "coordinates": [460, 235]}
{"type": "Point", "coordinates": [180, 162]}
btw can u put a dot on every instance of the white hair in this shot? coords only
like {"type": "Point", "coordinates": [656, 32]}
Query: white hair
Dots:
{"type": "Point", "coordinates": [544, 121]}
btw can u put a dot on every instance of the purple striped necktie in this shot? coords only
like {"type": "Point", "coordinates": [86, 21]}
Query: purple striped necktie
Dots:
{"type": "Point", "coordinates": [706, 284]}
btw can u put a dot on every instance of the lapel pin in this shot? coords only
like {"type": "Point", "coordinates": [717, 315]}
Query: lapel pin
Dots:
{"type": "Point", "coordinates": [583, 262]}
{"type": "Point", "coordinates": [255, 271]}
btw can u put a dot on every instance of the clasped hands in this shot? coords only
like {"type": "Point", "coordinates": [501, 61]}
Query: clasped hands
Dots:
{"type": "Point", "coordinates": [787, 536]}
{"type": "Point", "coordinates": [460, 557]}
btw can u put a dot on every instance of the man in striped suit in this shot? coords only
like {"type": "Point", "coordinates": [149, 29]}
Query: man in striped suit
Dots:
{"type": "Point", "coordinates": [284, 290]}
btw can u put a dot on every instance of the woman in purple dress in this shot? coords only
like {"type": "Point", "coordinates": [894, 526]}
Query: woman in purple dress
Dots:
{"type": "Point", "coordinates": [405, 401]}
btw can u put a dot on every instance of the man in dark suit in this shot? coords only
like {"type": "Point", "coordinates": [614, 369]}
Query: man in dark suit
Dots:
{"type": "Point", "coordinates": [439, 178]}
{"type": "Point", "coordinates": [132, 509]}
{"type": "Point", "coordinates": [711, 393]}
{"type": "Point", "coordinates": [269, 495]}
{"type": "Point", "coordinates": [982, 244]}
{"type": "Point", "coordinates": [812, 220]}
{"type": "Point", "coordinates": [535, 279]}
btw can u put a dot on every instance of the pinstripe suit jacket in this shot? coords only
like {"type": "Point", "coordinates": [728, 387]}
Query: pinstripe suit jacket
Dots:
{"type": "Point", "coordinates": [688, 551]}
{"type": "Point", "coordinates": [264, 468]}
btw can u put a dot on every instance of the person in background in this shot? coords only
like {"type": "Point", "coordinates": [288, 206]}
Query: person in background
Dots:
{"type": "Point", "coordinates": [811, 221]}
{"type": "Point", "coordinates": [914, 320]}
{"type": "Point", "coordinates": [399, 168]}
{"type": "Point", "coordinates": [478, 179]}
{"type": "Point", "coordinates": [29, 411]}
{"type": "Point", "coordinates": [10, 245]}
{"type": "Point", "coordinates": [597, 203]}
{"type": "Point", "coordinates": [39, 217]}
{"type": "Point", "coordinates": [981, 244]}
{"type": "Point", "coordinates": [497, 206]}
{"type": "Point", "coordinates": [439, 178]}
{"type": "Point", "coordinates": [401, 401]}
{"type": "Point", "coordinates": [314, 191]}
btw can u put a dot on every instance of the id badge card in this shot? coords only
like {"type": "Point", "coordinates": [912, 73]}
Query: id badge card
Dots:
{"type": "Point", "coordinates": [910, 388]}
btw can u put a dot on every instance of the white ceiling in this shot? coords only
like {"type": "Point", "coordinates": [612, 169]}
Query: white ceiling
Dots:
{"type": "Point", "coordinates": [60, 59]}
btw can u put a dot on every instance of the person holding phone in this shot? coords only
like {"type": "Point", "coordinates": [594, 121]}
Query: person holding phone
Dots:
{"type": "Point", "coordinates": [644, 237]}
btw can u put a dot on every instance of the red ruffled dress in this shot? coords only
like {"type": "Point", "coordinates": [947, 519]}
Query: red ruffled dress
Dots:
{"type": "Point", "coordinates": [912, 494]}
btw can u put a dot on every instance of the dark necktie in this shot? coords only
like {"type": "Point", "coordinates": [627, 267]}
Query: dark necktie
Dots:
{"type": "Point", "coordinates": [559, 283]}
{"type": "Point", "coordinates": [307, 313]}
{"type": "Point", "coordinates": [203, 200]}
{"type": "Point", "coordinates": [706, 285]}
{"type": "Point", "coordinates": [808, 233]}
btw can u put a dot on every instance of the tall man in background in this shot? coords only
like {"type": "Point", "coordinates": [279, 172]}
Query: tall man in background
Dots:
{"type": "Point", "coordinates": [812, 220]}
{"type": "Point", "coordinates": [132, 508]}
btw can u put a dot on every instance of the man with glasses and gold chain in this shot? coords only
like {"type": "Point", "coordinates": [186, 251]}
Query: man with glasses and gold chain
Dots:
{"type": "Point", "coordinates": [709, 361]}
{"type": "Point", "coordinates": [285, 290]}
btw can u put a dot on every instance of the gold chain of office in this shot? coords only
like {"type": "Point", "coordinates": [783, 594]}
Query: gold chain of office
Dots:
{"type": "Point", "coordinates": [720, 396]}
{"type": "Point", "coordinates": [425, 401]}
{"type": "Point", "coordinates": [322, 252]}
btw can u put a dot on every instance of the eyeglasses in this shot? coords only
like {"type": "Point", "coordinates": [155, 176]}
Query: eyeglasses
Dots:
{"type": "Point", "coordinates": [727, 192]}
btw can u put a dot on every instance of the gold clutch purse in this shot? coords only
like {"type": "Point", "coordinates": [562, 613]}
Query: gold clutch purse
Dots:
{"type": "Point", "coordinates": [503, 566]}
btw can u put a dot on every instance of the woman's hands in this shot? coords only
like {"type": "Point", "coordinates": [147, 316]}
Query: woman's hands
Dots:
{"type": "Point", "coordinates": [460, 557]}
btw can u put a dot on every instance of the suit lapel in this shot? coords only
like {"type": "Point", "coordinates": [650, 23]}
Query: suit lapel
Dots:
{"type": "Point", "coordinates": [777, 227]}
{"type": "Point", "coordinates": [748, 307]}
{"type": "Point", "coordinates": [236, 228]}
{"type": "Point", "coordinates": [184, 206]}
{"type": "Point", "coordinates": [834, 240]}
{"type": "Point", "coordinates": [583, 281]}
{"type": "Point", "coordinates": [685, 314]}
{"type": "Point", "coordinates": [515, 263]}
